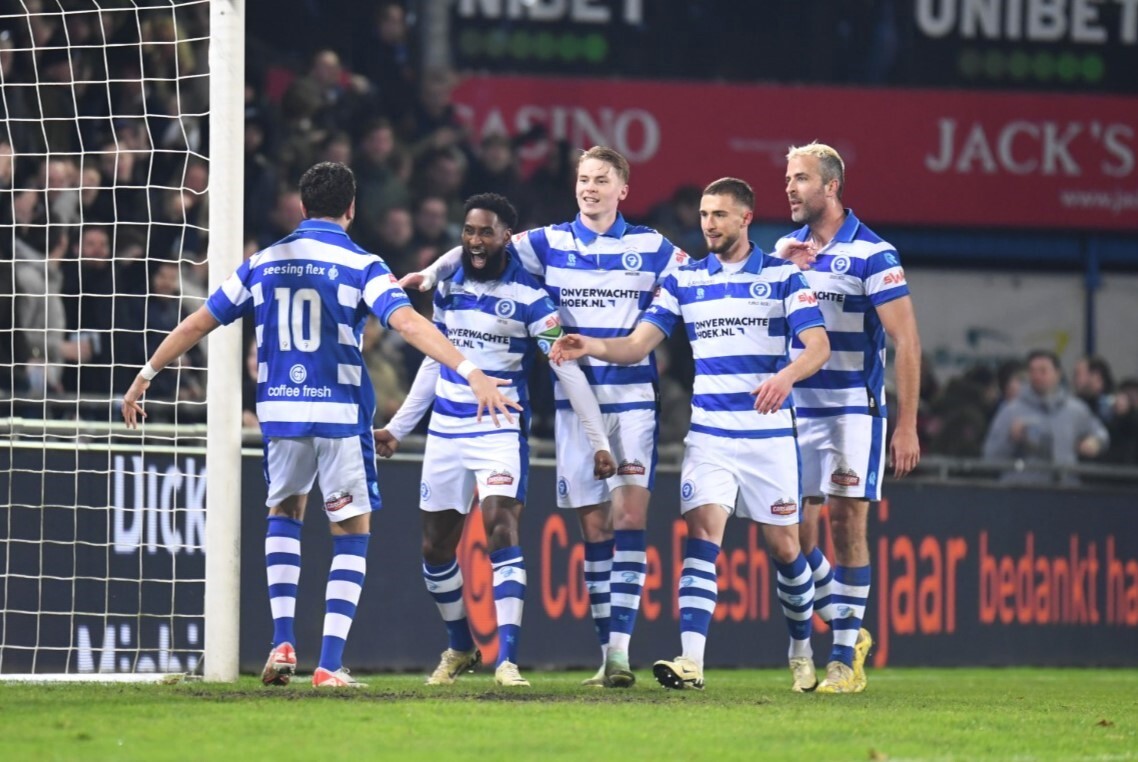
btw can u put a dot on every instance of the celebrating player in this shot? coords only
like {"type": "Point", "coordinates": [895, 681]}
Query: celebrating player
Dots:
{"type": "Point", "coordinates": [740, 308]}
{"type": "Point", "coordinates": [601, 272]}
{"type": "Point", "coordinates": [309, 295]}
{"type": "Point", "coordinates": [497, 312]}
{"type": "Point", "coordinates": [861, 290]}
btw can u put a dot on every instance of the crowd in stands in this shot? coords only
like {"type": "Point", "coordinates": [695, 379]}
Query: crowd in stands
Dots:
{"type": "Point", "coordinates": [104, 210]}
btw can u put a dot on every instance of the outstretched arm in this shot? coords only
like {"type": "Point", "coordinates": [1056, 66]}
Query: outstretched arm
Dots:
{"type": "Point", "coordinates": [179, 341]}
{"type": "Point", "coordinates": [441, 269]}
{"type": "Point", "coordinates": [424, 336]}
{"type": "Point", "coordinates": [625, 350]}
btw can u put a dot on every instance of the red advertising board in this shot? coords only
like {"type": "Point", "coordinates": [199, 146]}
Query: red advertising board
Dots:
{"type": "Point", "coordinates": [920, 157]}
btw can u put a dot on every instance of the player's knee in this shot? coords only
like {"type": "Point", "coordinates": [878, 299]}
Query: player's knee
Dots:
{"type": "Point", "coordinates": [436, 554]}
{"type": "Point", "coordinates": [502, 534]}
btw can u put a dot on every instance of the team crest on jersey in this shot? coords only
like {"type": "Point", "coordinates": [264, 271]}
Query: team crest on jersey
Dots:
{"type": "Point", "coordinates": [337, 500]}
{"type": "Point", "coordinates": [563, 487]}
{"type": "Point", "coordinates": [631, 260]}
{"type": "Point", "coordinates": [500, 478]}
{"type": "Point", "coordinates": [505, 308]}
{"type": "Point", "coordinates": [840, 265]}
{"type": "Point", "coordinates": [424, 490]}
{"type": "Point", "coordinates": [760, 290]}
{"type": "Point", "coordinates": [687, 490]}
{"type": "Point", "coordinates": [333, 273]}
{"type": "Point", "coordinates": [631, 468]}
{"type": "Point", "coordinates": [844, 476]}
{"type": "Point", "coordinates": [298, 374]}
{"type": "Point", "coordinates": [784, 506]}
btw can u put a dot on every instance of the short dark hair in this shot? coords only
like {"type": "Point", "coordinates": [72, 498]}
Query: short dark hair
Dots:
{"type": "Point", "coordinates": [327, 190]}
{"type": "Point", "coordinates": [1098, 364]}
{"type": "Point", "coordinates": [733, 187]}
{"type": "Point", "coordinates": [496, 203]}
{"type": "Point", "coordinates": [1036, 354]}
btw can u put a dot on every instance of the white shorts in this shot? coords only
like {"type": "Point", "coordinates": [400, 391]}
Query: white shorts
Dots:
{"type": "Point", "coordinates": [632, 434]}
{"type": "Point", "coordinates": [345, 466]}
{"type": "Point", "coordinates": [756, 479]}
{"type": "Point", "coordinates": [497, 463]}
{"type": "Point", "coordinates": [842, 455]}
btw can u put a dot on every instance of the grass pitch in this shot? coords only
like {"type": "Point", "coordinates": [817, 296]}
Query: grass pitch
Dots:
{"type": "Point", "coordinates": [954, 714]}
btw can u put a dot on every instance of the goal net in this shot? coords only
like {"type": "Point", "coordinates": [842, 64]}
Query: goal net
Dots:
{"type": "Point", "coordinates": [107, 195]}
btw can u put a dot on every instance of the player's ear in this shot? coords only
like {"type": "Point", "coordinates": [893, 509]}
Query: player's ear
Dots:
{"type": "Point", "coordinates": [623, 193]}
{"type": "Point", "coordinates": [351, 213]}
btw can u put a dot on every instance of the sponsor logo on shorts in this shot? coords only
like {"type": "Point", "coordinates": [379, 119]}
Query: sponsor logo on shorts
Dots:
{"type": "Point", "coordinates": [784, 506]}
{"type": "Point", "coordinates": [844, 476]}
{"type": "Point", "coordinates": [424, 490]}
{"type": "Point", "coordinates": [687, 490]}
{"type": "Point", "coordinates": [500, 477]}
{"type": "Point", "coordinates": [336, 501]}
{"type": "Point", "coordinates": [631, 468]}
{"type": "Point", "coordinates": [563, 487]}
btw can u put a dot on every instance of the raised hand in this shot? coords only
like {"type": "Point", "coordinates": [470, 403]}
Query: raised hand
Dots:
{"type": "Point", "coordinates": [801, 253]}
{"type": "Point", "coordinates": [420, 280]}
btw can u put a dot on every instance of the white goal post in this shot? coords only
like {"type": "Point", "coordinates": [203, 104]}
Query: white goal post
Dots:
{"type": "Point", "coordinates": [121, 185]}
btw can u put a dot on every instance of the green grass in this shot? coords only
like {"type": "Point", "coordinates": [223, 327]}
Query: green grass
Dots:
{"type": "Point", "coordinates": [958, 714]}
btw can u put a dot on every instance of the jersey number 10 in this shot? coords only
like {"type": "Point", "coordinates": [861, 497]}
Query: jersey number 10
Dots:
{"type": "Point", "coordinates": [291, 318]}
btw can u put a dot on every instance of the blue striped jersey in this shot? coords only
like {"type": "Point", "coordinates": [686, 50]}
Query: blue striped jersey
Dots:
{"type": "Point", "coordinates": [601, 285]}
{"type": "Point", "coordinates": [854, 274]}
{"type": "Point", "coordinates": [309, 295]}
{"type": "Point", "coordinates": [740, 325]}
{"type": "Point", "coordinates": [496, 325]}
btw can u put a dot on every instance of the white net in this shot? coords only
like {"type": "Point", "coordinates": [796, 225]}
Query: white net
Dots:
{"type": "Point", "coordinates": [103, 230]}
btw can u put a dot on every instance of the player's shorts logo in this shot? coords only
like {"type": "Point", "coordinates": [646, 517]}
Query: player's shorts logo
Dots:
{"type": "Point", "coordinates": [563, 487]}
{"type": "Point", "coordinates": [840, 265]}
{"type": "Point", "coordinates": [505, 308]}
{"type": "Point", "coordinates": [784, 506]}
{"type": "Point", "coordinates": [500, 478]}
{"type": "Point", "coordinates": [424, 490]}
{"type": "Point", "coordinates": [845, 476]}
{"type": "Point", "coordinates": [631, 260]}
{"type": "Point", "coordinates": [333, 273]}
{"type": "Point", "coordinates": [337, 500]}
{"type": "Point", "coordinates": [760, 290]}
{"type": "Point", "coordinates": [631, 468]}
{"type": "Point", "coordinates": [687, 490]}
{"type": "Point", "coordinates": [298, 373]}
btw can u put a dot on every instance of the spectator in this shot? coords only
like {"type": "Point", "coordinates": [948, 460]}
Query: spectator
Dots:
{"type": "Point", "coordinates": [1124, 424]}
{"type": "Point", "coordinates": [495, 170]}
{"type": "Point", "coordinates": [1009, 375]}
{"type": "Point", "coordinates": [382, 351]}
{"type": "Point", "coordinates": [1044, 425]}
{"type": "Point", "coordinates": [1094, 385]}
{"type": "Point", "coordinates": [432, 229]}
{"type": "Point", "coordinates": [395, 244]}
{"type": "Point", "coordinates": [442, 173]}
{"type": "Point", "coordinates": [385, 56]}
{"type": "Point", "coordinates": [678, 219]}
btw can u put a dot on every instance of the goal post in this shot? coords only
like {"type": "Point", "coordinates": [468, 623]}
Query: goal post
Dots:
{"type": "Point", "coordinates": [118, 558]}
{"type": "Point", "coordinates": [223, 440]}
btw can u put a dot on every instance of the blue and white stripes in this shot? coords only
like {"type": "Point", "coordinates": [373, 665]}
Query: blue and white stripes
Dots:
{"type": "Point", "coordinates": [626, 583]}
{"type": "Point", "coordinates": [444, 583]}
{"type": "Point", "coordinates": [796, 594]}
{"type": "Point", "coordinates": [342, 595]}
{"type": "Point", "coordinates": [509, 597]}
{"type": "Point", "coordinates": [598, 570]}
{"type": "Point", "coordinates": [850, 593]}
{"type": "Point", "coordinates": [282, 566]}
{"type": "Point", "coordinates": [698, 593]}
